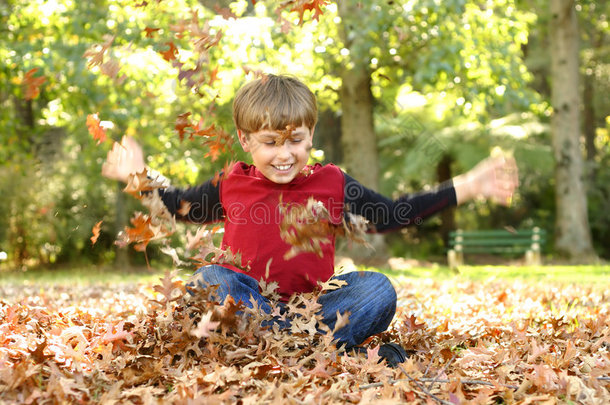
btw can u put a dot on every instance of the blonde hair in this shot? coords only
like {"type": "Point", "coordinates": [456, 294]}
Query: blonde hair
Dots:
{"type": "Point", "coordinates": [274, 102]}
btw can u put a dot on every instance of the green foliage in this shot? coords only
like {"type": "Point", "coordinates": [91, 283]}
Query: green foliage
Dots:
{"type": "Point", "coordinates": [452, 80]}
{"type": "Point", "coordinates": [51, 166]}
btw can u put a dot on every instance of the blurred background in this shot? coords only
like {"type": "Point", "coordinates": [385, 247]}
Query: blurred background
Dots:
{"type": "Point", "coordinates": [410, 93]}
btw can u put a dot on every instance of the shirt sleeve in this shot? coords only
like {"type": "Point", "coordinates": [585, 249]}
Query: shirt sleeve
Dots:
{"type": "Point", "coordinates": [385, 214]}
{"type": "Point", "coordinates": [203, 202]}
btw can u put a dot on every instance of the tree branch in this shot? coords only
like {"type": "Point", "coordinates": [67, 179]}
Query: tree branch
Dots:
{"type": "Point", "coordinates": [444, 381]}
{"type": "Point", "coordinates": [421, 387]}
{"type": "Point", "coordinates": [441, 371]}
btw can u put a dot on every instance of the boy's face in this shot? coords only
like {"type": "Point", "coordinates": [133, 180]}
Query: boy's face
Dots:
{"type": "Point", "coordinates": [279, 155]}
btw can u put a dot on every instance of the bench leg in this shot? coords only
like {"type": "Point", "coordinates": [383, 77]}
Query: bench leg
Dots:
{"type": "Point", "coordinates": [532, 258]}
{"type": "Point", "coordinates": [454, 259]}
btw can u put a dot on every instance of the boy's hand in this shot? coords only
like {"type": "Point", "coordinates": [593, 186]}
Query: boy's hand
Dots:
{"type": "Point", "coordinates": [124, 159]}
{"type": "Point", "coordinates": [494, 178]}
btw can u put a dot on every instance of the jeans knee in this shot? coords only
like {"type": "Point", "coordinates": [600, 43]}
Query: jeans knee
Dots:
{"type": "Point", "coordinates": [211, 274]}
{"type": "Point", "coordinates": [384, 291]}
{"type": "Point", "coordinates": [213, 278]}
{"type": "Point", "coordinates": [382, 284]}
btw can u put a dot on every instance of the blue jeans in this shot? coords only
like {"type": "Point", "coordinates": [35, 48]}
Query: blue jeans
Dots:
{"type": "Point", "coordinates": [369, 297]}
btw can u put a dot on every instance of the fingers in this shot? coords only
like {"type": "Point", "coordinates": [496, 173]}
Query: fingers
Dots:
{"type": "Point", "coordinates": [503, 175]}
{"type": "Point", "coordinates": [504, 193]}
{"type": "Point", "coordinates": [506, 182]}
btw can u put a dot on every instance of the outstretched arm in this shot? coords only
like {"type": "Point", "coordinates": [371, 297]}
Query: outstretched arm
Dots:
{"type": "Point", "coordinates": [495, 179]}
{"type": "Point", "coordinates": [126, 158]}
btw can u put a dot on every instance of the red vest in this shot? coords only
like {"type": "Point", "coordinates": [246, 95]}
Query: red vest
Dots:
{"type": "Point", "coordinates": [250, 202]}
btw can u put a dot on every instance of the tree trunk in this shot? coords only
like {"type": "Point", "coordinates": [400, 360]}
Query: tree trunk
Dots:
{"type": "Point", "coordinates": [358, 136]}
{"type": "Point", "coordinates": [357, 133]}
{"type": "Point", "coordinates": [572, 233]}
{"type": "Point", "coordinates": [589, 117]}
{"type": "Point", "coordinates": [326, 139]}
{"type": "Point", "coordinates": [443, 173]}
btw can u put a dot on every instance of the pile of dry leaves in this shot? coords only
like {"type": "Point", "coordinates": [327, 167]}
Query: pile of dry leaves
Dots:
{"type": "Point", "coordinates": [482, 342]}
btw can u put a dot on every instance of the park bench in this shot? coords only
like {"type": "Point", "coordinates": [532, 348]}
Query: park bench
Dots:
{"type": "Point", "coordinates": [506, 242]}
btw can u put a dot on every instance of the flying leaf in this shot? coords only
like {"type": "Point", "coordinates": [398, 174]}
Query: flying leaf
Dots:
{"type": "Point", "coordinates": [96, 52]}
{"type": "Point", "coordinates": [205, 326]}
{"type": "Point", "coordinates": [95, 129]}
{"type": "Point", "coordinates": [96, 232]}
{"type": "Point", "coordinates": [185, 208]}
{"type": "Point", "coordinates": [32, 84]}
{"type": "Point", "coordinates": [171, 53]}
{"type": "Point", "coordinates": [224, 12]}
{"type": "Point", "coordinates": [182, 122]}
{"type": "Point", "coordinates": [301, 6]}
{"type": "Point", "coordinates": [342, 321]}
{"type": "Point", "coordinates": [213, 76]}
{"type": "Point", "coordinates": [150, 31]}
{"type": "Point", "coordinates": [111, 69]}
{"type": "Point", "coordinates": [139, 183]}
{"type": "Point", "coordinates": [169, 287]}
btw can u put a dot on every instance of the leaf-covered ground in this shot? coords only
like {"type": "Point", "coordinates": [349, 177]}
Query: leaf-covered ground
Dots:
{"type": "Point", "coordinates": [470, 341]}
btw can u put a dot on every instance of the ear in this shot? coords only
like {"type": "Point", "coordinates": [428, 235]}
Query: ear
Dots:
{"type": "Point", "coordinates": [311, 131]}
{"type": "Point", "coordinates": [244, 140]}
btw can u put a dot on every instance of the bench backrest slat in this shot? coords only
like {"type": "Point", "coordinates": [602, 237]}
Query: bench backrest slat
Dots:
{"type": "Point", "coordinates": [493, 242]}
{"type": "Point", "coordinates": [497, 241]}
{"type": "Point", "coordinates": [496, 233]}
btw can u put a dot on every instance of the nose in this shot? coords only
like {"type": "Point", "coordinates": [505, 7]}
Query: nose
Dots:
{"type": "Point", "coordinates": [284, 151]}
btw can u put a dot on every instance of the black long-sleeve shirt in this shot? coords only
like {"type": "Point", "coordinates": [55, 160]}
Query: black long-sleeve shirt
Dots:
{"type": "Point", "coordinates": [382, 213]}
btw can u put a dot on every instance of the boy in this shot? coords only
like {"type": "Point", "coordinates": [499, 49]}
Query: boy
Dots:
{"type": "Point", "coordinates": [275, 118]}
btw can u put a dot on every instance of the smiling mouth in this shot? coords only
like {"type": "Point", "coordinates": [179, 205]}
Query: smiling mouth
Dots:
{"type": "Point", "coordinates": [282, 167]}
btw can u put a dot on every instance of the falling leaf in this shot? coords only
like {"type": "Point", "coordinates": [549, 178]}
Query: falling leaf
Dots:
{"type": "Point", "coordinates": [185, 208]}
{"type": "Point", "coordinates": [169, 286]}
{"type": "Point", "coordinates": [96, 52]}
{"type": "Point", "coordinates": [111, 69]}
{"type": "Point", "coordinates": [213, 76]}
{"type": "Point", "coordinates": [171, 53]}
{"type": "Point", "coordinates": [96, 232]}
{"type": "Point", "coordinates": [140, 182]}
{"type": "Point", "coordinates": [205, 326]}
{"type": "Point", "coordinates": [342, 321]}
{"type": "Point", "coordinates": [224, 12]}
{"type": "Point", "coordinates": [301, 6]}
{"type": "Point", "coordinates": [32, 84]}
{"type": "Point", "coordinates": [150, 31]}
{"type": "Point", "coordinates": [307, 227]}
{"type": "Point", "coordinates": [95, 129]}
{"type": "Point", "coordinates": [182, 122]}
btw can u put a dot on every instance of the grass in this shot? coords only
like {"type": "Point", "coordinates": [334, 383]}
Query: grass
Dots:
{"type": "Point", "coordinates": [82, 275]}
{"type": "Point", "coordinates": [596, 275]}
{"type": "Point", "coordinates": [87, 275]}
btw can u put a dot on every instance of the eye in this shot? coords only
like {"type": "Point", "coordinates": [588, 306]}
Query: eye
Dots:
{"type": "Point", "coordinates": [296, 140]}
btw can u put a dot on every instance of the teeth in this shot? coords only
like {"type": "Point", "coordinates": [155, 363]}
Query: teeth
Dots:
{"type": "Point", "coordinates": [283, 167]}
